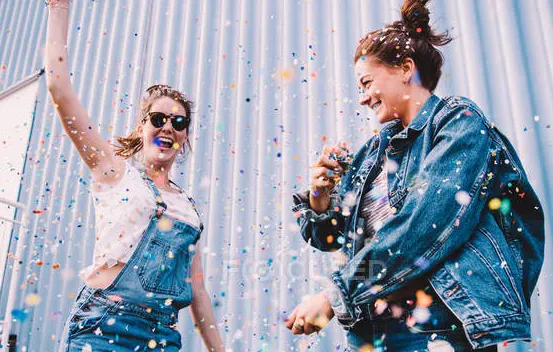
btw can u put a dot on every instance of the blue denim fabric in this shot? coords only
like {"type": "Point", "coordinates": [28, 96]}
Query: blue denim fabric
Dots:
{"type": "Point", "coordinates": [442, 331]}
{"type": "Point", "coordinates": [449, 163]}
{"type": "Point", "coordinates": [139, 310]}
{"type": "Point", "coordinates": [100, 324]}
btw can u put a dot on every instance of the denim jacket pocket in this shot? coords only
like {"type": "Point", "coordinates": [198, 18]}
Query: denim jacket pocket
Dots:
{"type": "Point", "coordinates": [165, 269]}
{"type": "Point", "coordinates": [513, 239]}
{"type": "Point", "coordinates": [508, 266]}
{"type": "Point", "coordinates": [490, 272]}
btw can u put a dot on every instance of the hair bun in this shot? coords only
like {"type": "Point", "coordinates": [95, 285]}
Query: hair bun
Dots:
{"type": "Point", "coordinates": [416, 18]}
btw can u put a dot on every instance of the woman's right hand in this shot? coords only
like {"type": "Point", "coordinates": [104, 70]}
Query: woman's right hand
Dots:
{"type": "Point", "coordinates": [57, 3]}
{"type": "Point", "coordinates": [326, 173]}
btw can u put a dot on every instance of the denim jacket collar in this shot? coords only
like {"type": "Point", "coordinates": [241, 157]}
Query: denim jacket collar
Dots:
{"type": "Point", "coordinates": [417, 124]}
{"type": "Point", "coordinates": [427, 110]}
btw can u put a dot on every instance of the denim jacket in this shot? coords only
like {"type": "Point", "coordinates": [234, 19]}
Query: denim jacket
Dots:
{"type": "Point", "coordinates": [465, 218]}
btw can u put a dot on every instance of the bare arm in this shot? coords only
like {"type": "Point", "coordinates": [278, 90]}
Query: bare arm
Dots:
{"type": "Point", "coordinates": [94, 150]}
{"type": "Point", "coordinates": [201, 310]}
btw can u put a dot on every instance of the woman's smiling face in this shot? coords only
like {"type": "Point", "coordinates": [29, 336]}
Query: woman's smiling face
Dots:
{"type": "Point", "coordinates": [382, 88]}
{"type": "Point", "coordinates": [161, 145]}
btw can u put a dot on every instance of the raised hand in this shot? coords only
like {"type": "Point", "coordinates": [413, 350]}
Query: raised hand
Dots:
{"type": "Point", "coordinates": [327, 171]}
{"type": "Point", "coordinates": [57, 3]}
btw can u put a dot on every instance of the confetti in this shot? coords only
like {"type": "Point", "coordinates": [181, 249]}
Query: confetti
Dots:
{"type": "Point", "coordinates": [115, 298]}
{"type": "Point", "coordinates": [32, 300]}
{"type": "Point", "coordinates": [422, 263]}
{"type": "Point", "coordinates": [494, 204]}
{"type": "Point", "coordinates": [19, 314]}
{"type": "Point", "coordinates": [284, 75]}
{"type": "Point", "coordinates": [505, 206]}
{"type": "Point", "coordinates": [423, 299]}
{"type": "Point", "coordinates": [164, 224]}
{"type": "Point", "coordinates": [462, 197]}
{"type": "Point", "coordinates": [380, 306]}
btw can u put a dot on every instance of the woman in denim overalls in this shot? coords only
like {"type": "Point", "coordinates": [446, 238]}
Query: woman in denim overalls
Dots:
{"type": "Point", "coordinates": [131, 303]}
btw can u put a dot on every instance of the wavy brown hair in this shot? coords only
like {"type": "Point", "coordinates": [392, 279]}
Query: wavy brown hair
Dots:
{"type": "Point", "coordinates": [412, 37]}
{"type": "Point", "coordinates": [132, 144]}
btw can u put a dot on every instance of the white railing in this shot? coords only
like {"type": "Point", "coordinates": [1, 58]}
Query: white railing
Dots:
{"type": "Point", "coordinates": [5, 237]}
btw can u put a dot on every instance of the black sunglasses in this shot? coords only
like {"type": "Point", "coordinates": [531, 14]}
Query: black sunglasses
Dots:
{"type": "Point", "coordinates": [159, 119]}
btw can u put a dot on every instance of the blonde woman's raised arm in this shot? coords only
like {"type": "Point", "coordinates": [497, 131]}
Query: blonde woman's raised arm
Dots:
{"type": "Point", "coordinates": [95, 151]}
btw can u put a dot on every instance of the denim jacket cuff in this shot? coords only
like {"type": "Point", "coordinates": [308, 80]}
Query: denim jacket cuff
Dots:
{"type": "Point", "coordinates": [348, 316]}
{"type": "Point", "coordinates": [335, 298]}
{"type": "Point", "coordinates": [302, 206]}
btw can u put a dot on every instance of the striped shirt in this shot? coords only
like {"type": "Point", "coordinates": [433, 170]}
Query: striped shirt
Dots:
{"type": "Point", "coordinates": [375, 206]}
{"type": "Point", "coordinates": [375, 209]}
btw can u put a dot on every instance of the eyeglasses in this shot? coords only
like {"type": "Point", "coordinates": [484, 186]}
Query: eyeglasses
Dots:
{"type": "Point", "coordinates": [159, 119]}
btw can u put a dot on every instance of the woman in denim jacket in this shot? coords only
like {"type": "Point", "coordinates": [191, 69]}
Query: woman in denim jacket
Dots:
{"type": "Point", "coordinates": [147, 263]}
{"type": "Point", "coordinates": [441, 233]}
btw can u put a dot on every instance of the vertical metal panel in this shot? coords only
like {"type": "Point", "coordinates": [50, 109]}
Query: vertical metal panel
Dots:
{"type": "Point", "coordinates": [272, 82]}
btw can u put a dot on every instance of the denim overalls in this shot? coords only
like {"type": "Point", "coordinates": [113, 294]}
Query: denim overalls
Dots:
{"type": "Point", "coordinates": [139, 310]}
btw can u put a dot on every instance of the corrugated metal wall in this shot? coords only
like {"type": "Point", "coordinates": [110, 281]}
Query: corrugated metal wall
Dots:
{"type": "Point", "coordinates": [272, 80]}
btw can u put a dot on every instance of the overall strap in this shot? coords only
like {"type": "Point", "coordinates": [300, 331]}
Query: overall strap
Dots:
{"type": "Point", "coordinates": [192, 202]}
{"type": "Point", "coordinates": [161, 206]}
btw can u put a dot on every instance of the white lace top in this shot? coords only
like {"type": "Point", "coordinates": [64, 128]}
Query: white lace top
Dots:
{"type": "Point", "coordinates": [123, 212]}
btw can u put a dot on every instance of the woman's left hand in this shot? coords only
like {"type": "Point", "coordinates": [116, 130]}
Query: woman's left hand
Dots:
{"type": "Point", "coordinates": [310, 316]}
